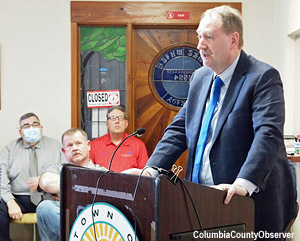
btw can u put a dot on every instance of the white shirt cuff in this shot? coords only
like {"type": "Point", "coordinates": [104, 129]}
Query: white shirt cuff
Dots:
{"type": "Point", "coordinates": [153, 172]}
{"type": "Point", "coordinates": [249, 186]}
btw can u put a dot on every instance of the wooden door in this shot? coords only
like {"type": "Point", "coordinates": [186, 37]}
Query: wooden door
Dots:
{"type": "Point", "coordinates": [150, 112]}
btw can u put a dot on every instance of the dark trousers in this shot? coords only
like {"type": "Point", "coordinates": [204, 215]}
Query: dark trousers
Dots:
{"type": "Point", "coordinates": [26, 206]}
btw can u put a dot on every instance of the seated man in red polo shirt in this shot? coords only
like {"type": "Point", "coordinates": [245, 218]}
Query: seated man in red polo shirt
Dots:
{"type": "Point", "coordinates": [131, 154]}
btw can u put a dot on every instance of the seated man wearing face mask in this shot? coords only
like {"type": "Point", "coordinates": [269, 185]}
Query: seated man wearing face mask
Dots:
{"type": "Point", "coordinates": [22, 161]}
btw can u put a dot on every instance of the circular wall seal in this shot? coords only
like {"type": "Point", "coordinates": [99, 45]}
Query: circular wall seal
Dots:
{"type": "Point", "coordinates": [109, 223]}
{"type": "Point", "coordinates": [170, 73]}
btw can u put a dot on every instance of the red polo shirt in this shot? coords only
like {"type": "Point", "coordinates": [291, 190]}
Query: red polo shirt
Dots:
{"type": "Point", "coordinates": [131, 154]}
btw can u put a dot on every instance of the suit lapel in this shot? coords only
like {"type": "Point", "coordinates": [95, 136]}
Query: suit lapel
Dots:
{"type": "Point", "coordinates": [199, 111]}
{"type": "Point", "coordinates": [233, 91]}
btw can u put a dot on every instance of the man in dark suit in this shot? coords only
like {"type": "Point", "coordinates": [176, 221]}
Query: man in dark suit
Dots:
{"type": "Point", "coordinates": [244, 151]}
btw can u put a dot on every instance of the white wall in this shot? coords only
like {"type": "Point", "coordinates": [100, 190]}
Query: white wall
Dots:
{"type": "Point", "coordinates": [36, 60]}
{"type": "Point", "coordinates": [35, 65]}
{"type": "Point", "coordinates": [288, 63]}
{"type": "Point", "coordinates": [287, 20]}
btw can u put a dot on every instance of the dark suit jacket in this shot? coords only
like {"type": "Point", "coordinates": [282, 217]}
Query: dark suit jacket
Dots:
{"type": "Point", "coordinates": [248, 142]}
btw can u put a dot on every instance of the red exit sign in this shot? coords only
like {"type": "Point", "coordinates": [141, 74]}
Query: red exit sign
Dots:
{"type": "Point", "coordinates": [178, 15]}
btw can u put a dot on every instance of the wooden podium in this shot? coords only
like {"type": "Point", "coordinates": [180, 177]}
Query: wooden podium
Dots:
{"type": "Point", "coordinates": [162, 209]}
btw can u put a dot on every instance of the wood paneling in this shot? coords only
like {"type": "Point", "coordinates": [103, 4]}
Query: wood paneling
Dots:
{"type": "Point", "coordinates": [294, 158]}
{"type": "Point", "coordinates": [150, 113]}
{"type": "Point", "coordinates": [75, 91]}
{"type": "Point", "coordinates": [139, 13]}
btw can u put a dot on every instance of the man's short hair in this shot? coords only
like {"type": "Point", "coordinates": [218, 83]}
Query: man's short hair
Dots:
{"type": "Point", "coordinates": [117, 107]}
{"type": "Point", "coordinates": [72, 131]}
{"type": "Point", "coordinates": [27, 115]}
{"type": "Point", "coordinates": [231, 20]}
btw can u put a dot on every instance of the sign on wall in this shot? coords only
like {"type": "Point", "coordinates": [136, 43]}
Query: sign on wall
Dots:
{"type": "Point", "coordinates": [103, 98]}
{"type": "Point", "coordinates": [170, 74]}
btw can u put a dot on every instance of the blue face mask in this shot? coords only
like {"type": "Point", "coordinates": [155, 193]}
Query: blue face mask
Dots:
{"type": "Point", "coordinates": [32, 135]}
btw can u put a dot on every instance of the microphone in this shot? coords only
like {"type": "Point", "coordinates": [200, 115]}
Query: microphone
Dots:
{"type": "Point", "coordinates": [139, 132]}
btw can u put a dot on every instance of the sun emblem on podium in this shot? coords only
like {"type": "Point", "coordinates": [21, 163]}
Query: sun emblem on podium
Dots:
{"type": "Point", "coordinates": [109, 225]}
{"type": "Point", "coordinates": [104, 232]}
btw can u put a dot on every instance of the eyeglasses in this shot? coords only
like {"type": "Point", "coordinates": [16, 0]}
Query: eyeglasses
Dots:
{"type": "Point", "coordinates": [119, 117]}
{"type": "Point", "coordinates": [27, 125]}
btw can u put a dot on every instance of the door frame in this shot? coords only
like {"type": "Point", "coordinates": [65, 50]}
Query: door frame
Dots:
{"type": "Point", "coordinates": [130, 15]}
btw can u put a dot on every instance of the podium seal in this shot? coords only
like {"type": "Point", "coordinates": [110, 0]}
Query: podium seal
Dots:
{"type": "Point", "coordinates": [110, 224]}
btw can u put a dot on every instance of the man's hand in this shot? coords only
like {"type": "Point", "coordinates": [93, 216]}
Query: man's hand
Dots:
{"type": "Point", "coordinates": [14, 209]}
{"type": "Point", "coordinates": [33, 183]}
{"type": "Point", "coordinates": [55, 197]}
{"type": "Point", "coordinates": [136, 171]}
{"type": "Point", "coordinates": [231, 189]}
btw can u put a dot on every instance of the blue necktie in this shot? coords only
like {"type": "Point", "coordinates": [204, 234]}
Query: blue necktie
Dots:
{"type": "Point", "coordinates": [205, 128]}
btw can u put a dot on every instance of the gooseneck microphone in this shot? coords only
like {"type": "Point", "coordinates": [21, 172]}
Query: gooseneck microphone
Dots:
{"type": "Point", "coordinates": [139, 132]}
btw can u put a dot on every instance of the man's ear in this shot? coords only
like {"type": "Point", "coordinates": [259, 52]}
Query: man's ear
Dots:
{"type": "Point", "coordinates": [89, 144]}
{"type": "Point", "coordinates": [42, 128]}
{"type": "Point", "coordinates": [63, 150]}
{"type": "Point", "coordinates": [235, 38]}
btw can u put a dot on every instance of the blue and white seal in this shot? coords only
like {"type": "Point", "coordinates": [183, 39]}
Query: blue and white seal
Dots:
{"type": "Point", "coordinates": [171, 72]}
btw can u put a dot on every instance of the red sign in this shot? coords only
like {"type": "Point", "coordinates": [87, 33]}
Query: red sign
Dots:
{"type": "Point", "coordinates": [178, 15]}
